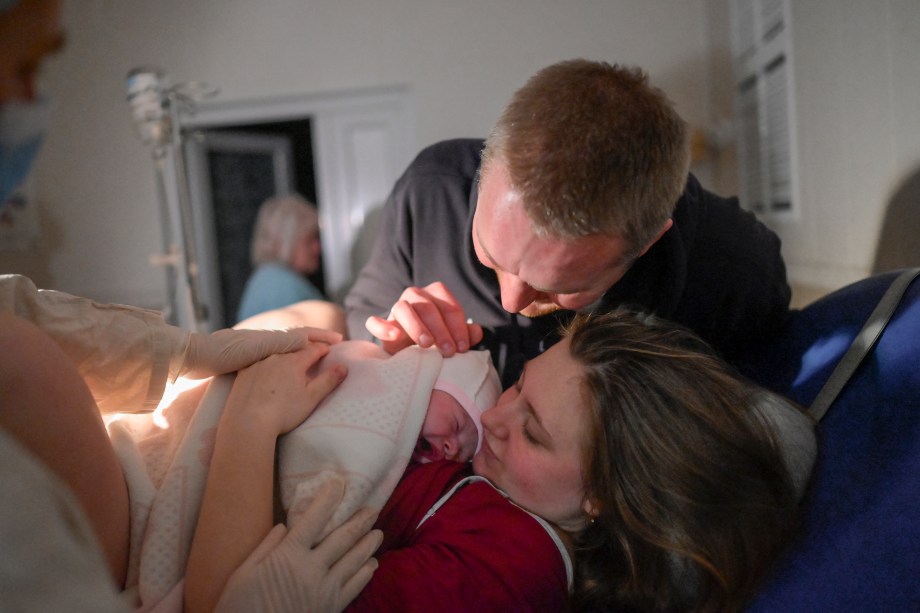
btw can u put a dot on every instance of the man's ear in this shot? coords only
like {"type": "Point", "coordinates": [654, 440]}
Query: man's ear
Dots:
{"type": "Point", "coordinates": [667, 226]}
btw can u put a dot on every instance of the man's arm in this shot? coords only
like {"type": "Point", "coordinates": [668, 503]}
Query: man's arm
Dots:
{"type": "Point", "coordinates": [387, 301]}
{"type": "Point", "coordinates": [389, 268]}
{"type": "Point", "coordinates": [385, 305]}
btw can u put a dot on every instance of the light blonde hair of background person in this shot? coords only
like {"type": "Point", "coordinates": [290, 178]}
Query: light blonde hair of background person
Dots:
{"type": "Point", "coordinates": [281, 222]}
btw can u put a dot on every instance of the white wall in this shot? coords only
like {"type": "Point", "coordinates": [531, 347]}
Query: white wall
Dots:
{"type": "Point", "coordinates": [857, 77]}
{"type": "Point", "coordinates": [461, 59]}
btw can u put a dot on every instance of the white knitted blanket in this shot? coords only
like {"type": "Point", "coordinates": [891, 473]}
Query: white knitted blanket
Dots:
{"type": "Point", "coordinates": [363, 433]}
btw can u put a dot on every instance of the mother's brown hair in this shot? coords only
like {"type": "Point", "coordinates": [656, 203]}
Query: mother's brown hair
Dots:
{"type": "Point", "coordinates": [692, 498]}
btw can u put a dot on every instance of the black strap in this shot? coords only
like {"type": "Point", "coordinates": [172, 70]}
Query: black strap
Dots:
{"type": "Point", "coordinates": [863, 343]}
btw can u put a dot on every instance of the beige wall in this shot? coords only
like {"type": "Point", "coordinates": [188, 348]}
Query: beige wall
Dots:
{"type": "Point", "coordinates": [857, 108]}
{"type": "Point", "coordinates": [857, 94]}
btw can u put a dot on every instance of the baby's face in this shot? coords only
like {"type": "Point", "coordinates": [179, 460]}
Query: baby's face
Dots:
{"type": "Point", "coordinates": [448, 432]}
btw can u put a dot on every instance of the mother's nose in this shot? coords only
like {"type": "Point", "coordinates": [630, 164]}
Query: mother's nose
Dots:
{"type": "Point", "coordinates": [495, 420]}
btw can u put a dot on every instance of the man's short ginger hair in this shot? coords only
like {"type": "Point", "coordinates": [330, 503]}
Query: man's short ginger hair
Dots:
{"type": "Point", "coordinates": [592, 148]}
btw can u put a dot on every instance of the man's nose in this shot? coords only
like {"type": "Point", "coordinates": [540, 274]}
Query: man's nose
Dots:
{"type": "Point", "coordinates": [516, 294]}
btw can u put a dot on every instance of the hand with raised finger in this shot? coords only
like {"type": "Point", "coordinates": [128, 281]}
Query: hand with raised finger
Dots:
{"type": "Point", "coordinates": [230, 350]}
{"type": "Point", "coordinates": [297, 570]}
{"type": "Point", "coordinates": [427, 316]}
{"type": "Point", "coordinates": [279, 392]}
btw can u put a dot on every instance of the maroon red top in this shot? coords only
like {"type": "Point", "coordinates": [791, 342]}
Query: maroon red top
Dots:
{"type": "Point", "coordinates": [477, 552]}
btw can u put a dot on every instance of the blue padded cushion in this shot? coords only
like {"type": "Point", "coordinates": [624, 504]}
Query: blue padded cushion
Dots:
{"type": "Point", "coordinates": [859, 547]}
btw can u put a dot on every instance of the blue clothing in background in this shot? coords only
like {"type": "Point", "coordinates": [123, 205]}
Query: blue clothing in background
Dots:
{"type": "Point", "coordinates": [272, 286]}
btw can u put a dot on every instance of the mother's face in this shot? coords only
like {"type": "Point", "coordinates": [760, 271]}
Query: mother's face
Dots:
{"type": "Point", "coordinates": [533, 440]}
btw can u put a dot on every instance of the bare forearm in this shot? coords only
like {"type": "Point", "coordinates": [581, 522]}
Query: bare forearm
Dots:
{"type": "Point", "coordinates": [236, 512]}
{"type": "Point", "coordinates": [269, 398]}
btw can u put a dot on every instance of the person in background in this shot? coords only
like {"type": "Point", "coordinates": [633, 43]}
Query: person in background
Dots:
{"type": "Point", "coordinates": [285, 251]}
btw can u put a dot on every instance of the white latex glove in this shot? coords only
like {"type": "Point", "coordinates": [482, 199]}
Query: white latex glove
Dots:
{"type": "Point", "coordinates": [230, 350]}
{"type": "Point", "coordinates": [291, 570]}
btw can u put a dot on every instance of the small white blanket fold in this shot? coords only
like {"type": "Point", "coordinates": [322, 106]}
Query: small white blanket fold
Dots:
{"type": "Point", "coordinates": [363, 434]}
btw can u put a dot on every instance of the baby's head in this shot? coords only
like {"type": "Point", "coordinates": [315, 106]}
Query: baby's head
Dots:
{"type": "Point", "coordinates": [466, 386]}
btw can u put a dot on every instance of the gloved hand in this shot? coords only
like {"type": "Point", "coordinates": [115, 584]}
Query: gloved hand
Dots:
{"type": "Point", "coordinates": [230, 350]}
{"type": "Point", "coordinates": [291, 570]}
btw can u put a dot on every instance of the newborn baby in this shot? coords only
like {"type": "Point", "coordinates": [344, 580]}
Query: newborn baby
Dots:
{"type": "Point", "coordinates": [467, 385]}
{"type": "Point", "coordinates": [389, 409]}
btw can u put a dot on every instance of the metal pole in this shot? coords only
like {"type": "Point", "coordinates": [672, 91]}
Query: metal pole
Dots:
{"type": "Point", "coordinates": [156, 115]}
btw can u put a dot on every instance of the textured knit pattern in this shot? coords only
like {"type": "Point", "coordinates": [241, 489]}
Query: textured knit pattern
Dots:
{"type": "Point", "coordinates": [165, 457]}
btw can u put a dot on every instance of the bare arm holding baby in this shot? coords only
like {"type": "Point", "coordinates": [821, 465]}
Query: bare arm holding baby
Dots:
{"type": "Point", "coordinates": [268, 399]}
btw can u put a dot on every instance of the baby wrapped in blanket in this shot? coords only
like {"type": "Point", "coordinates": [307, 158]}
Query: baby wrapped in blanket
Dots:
{"type": "Point", "coordinates": [387, 411]}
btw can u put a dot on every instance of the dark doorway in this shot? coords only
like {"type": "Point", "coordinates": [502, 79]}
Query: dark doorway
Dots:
{"type": "Point", "coordinates": [240, 180]}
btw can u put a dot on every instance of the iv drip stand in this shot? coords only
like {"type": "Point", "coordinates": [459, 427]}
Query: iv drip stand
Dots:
{"type": "Point", "coordinates": [156, 112]}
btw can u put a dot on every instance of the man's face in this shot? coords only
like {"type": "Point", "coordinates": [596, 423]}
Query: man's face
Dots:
{"type": "Point", "coordinates": [539, 275]}
{"type": "Point", "coordinates": [29, 32]}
